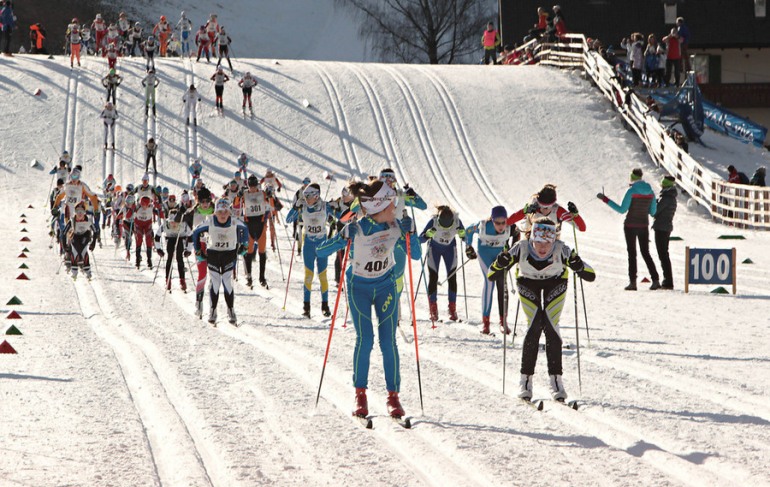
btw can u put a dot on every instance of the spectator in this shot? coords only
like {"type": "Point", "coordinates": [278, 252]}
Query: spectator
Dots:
{"type": "Point", "coordinates": [654, 78]}
{"type": "Point", "coordinates": [639, 203]}
{"type": "Point", "coordinates": [758, 179]}
{"type": "Point", "coordinates": [8, 22]}
{"type": "Point", "coordinates": [684, 35]}
{"type": "Point", "coordinates": [540, 27]}
{"type": "Point", "coordinates": [635, 48]}
{"type": "Point", "coordinates": [736, 177]}
{"type": "Point", "coordinates": [674, 59]}
{"type": "Point", "coordinates": [679, 139]}
{"type": "Point", "coordinates": [509, 55]}
{"type": "Point", "coordinates": [36, 37]}
{"type": "Point", "coordinates": [490, 40]}
{"type": "Point", "coordinates": [663, 226]}
{"type": "Point", "coordinates": [559, 28]}
{"type": "Point", "coordinates": [662, 59]}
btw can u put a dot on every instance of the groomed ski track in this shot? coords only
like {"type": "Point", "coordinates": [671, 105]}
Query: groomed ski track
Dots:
{"type": "Point", "coordinates": [234, 406]}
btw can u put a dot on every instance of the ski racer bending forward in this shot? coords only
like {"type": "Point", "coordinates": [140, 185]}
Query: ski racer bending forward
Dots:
{"type": "Point", "coordinates": [227, 238]}
{"type": "Point", "coordinates": [371, 281]}
{"type": "Point", "coordinates": [80, 239]}
{"type": "Point", "coordinates": [542, 280]}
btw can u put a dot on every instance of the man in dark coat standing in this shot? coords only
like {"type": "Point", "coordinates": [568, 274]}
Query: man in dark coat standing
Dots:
{"type": "Point", "coordinates": [663, 226]}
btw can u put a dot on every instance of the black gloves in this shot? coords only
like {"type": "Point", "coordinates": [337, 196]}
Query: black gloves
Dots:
{"type": "Point", "coordinates": [55, 211]}
{"type": "Point", "coordinates": [575, 262]}
{"type": "Point", "coordinates": [503, 260]}
{"type": "Point", "coordinates": [531, 208]}
{"type": "Point", "coordinates": [92, 245]}
{"type": "Point", "coordinates": [470, 253]}
{"type": "Point", "coordinates": [410, 191]}
{"type": "Point", "coordinates": [602, 197]}
{"type": "Point", "coordinates": [187, 253]}
{"type": "Point", "coordinates": [572, 208]}
{"type": "Point", "coordinates": [161, 253]}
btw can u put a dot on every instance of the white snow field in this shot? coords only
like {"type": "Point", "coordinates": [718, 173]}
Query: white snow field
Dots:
{"type": "Point", "coordinates": [113, 385]}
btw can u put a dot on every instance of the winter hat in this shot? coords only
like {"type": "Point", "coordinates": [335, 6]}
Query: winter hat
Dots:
{"type": "Point", "coordinates": [223, 204]}
{"type": "Point", "coordinates": [446, 218]}
{"type": "Point", "coordinates": [761, 170]}
{"type": "Point", "coordinates": [499, 212]}
{"type": "Point", "coordinates": [730, 168]}
{"type": "Point", "coordinates": [547, 196]}
{"type": "Point", "coordinates": [75, 175]}
{"type": "Point", "coordinates": [253, 181]}
{"type": "Point", "coordinates": [312, 190]}
{"type": "Point", "coordinates": [668, 181]}
{"type": "Point", "coordinates": [204, 194]}
{"type": "Point", "coordinates": [306, 180]}
{"type": "Point", "coordinates": [636, 174]}
{"type": "Point", "coordinates": [59, 182]}
{"type": "Point", "coordinates": [543, 231]}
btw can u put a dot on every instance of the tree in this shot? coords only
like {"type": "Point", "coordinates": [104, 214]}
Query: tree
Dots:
{"type": "Point", "coordinates": [433, 31]}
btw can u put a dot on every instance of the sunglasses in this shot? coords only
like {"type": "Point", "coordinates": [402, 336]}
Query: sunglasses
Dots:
{"type": "Point", "coordinates": [499, 222]}
{"type": "Point", "coordinates": [207, 202]}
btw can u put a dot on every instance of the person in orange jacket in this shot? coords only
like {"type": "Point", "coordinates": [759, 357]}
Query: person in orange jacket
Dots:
{"type": "Point", "coordinates": [162, 31]}
{"type": "Point", "coordinates": [36, 38]}
{"type": "Point", "coordinates": [490, 39]}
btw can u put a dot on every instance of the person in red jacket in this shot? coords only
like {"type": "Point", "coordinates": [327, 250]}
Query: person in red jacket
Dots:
{"type": "Point", "coordinates": [490, 39]}
{"type": "Point", "coordinates": [543, 204]}
{"type": "Point", "coordinates": [674, 57]}
{"type": "Point", "coordinates": [99, 28]}
{"type": "Point", "coordinates": [203, 41]}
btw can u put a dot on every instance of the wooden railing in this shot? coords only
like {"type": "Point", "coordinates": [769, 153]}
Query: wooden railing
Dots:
{"type": "Point", "coordinates": [735, 204]}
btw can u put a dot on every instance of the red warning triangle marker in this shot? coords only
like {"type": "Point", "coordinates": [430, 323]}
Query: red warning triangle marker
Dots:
{"type": "Point", "coordinates": [13, 331]}
{"type": "Point", "coordinates": [25, 239]}
{"type": "Point", "coordinates": [22, 277]}
{"type": "Point", "coordinates": [22, 255]}
{"type": "Point", "coordinates": [13, 315]}
{"type": "Point", "coordinates": [30, 206]}
{"type": "Point", "coordinates": [645, 280]}
{"type": "Point", "coordinates": [23, 221]}
{"type": "Point", "coordinates": [6, 347]}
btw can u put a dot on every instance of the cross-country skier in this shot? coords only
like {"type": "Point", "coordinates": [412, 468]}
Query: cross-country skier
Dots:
{"type": "Point", "coordinates": [543, 203]}
{"type": "Point", "coordinates": [314, 213]}
{"type": "Point", "coordinates": [227, 238]}
{"type": "Point", "coordinates": [55, 229]}
{"type": "Point", "coordinates": [162, 31]}
{"type": "Point", "coordinates": [124, 222]}
{"type": "Point", "coordinates": [151, 148]}
{"type": "Point", "coordinates": [61, 172]}
{"type": "Point", "coordinates": [190, 100]}
{"type": "Point", "coordinates": [203, 42]}
{"type": "Point", "coordinates": [112, 38]}
{"type": "Point", "coordinates": [223, 41]}
{"type": "Point", "coordinates": [185, 28]}
{"type": "Point", "coordinates": [174, 48]}
{"type": "Point", "coordinates": [194, 217]}
{"type": "Point", "coordinates": [494, 234]}
{"type": "Point", "coordinates": [195, 169]}
{"type": "Point", "coordinates": [243, 164]}
{"type": "Point", "coordinates": [150, 83]}
{"type": "Point", "coordinates": [247, 83]}
{"type": "Point", "coordinates": [256, 211]}
{"type": "Point", "coordinates": [80, 239]}
{"type": "Point", "coordinates": [440, 233]}
{"type": "Point", "coordinates": [112, 56]}
{"type": "Point", "coordinates": [371, 281]}
{"type": "Point", "coordinates": [143, 218]}
{"type": "Point", "coordinates": [149, 49]}
{"type": "Point", "coordinates": [65, 157]}
{"type": "Point", "coordinates": [176, 232]}
{"type": "Point", "coordinates": [99, 30]}
{"type": "Point", "coordinates": [135, 36]}
{"type": "Point", "coordinates": [124, 29]}
{"type": "Point", "coordinates": [299, 200]}
{"type": "Point", "coordinates": [74, 43]}
{"type": "Point", "coordinates": [219, 78]}
{"type": "Point", "coordinates": [341, 207]}
{"type": "Point", "coordinates": [111, 81]}
{"type": "Point", "coordinates": [212, 28]}
{"type": "Point", "coordinates": [109, 115]}
{"type": "Point", "coordinates": [74, 192]}
{"type": "Point", "coordinates": [542, 280]}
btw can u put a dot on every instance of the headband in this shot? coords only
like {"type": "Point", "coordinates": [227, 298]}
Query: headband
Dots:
{"type": "Point", "coordinates": [379, 201]}
{"type": "Point", "coordinates": [542, 232]}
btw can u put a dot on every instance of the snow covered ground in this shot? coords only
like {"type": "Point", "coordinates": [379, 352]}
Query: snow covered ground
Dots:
{"type": "Point", "coordinates": [113, 385]}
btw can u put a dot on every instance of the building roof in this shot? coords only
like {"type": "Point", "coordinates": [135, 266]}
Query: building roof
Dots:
{"type": "Point", "coordinates": [712, 23]}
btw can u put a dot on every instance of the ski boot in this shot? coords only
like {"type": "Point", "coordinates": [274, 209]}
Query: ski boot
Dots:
{"type": "Point", "coordinates": [199, 307]}
{"type": "Point", "coordinates": [394, 405]}
{"type": "Point", "coordinates": [74, 272]}
{"type": "Point", "coordinates": [113, 145]}
{"type": "Point", "coordinates": [557, 388]}
{"type": "Point", "coordinates": [149, 260]}
{"type": "Point", "coordinates": [525, 387]}
{"type": "Point", "coordinates": [231, 316]}
{"type": "Point", "coordinates": [325, 309]}
{"type": "Point", "coordinates": [504, 326]}
{"type": "Point", "coordinates": [263, 283]}
{"type": "Point", "coordinates": [631, 286]}
{"type": "Point", "coordinates": [361, 405]}
{"type": "Point", "coordinates": [183, 285]}
{"type": "Point", "coordinates": [153, 111]}
{"type": "Point", "coordinates": [306, 307]}
{"type": "Point", "coordinates": [655, 285]}
{"type": "Point", "coordinates": [213, 316]}
{"type": "Point", "coordinates": [88, 274]}
{"type": "Point", "coordinates": [138, 260]}
{"type": "Point", "coordinates": [453, 312]}
{"type": "Point", "coordinates": [485, 328]}
{"type": "Point", "coordinates": [249, 281]}
{"type": "Point", "coordinates": [433, 311]}
{"type": "Point", "coordinates": [188, 120]}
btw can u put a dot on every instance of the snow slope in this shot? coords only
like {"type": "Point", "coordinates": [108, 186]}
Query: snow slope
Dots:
{"type": "Point", "coordinates": [115, 385]}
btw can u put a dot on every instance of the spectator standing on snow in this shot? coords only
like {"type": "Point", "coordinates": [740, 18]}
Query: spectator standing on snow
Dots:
{"type": "Point", "coordinates": [684, 36]}
{"type": "Point", "coordinates": [8, 22]}
{"type": "Point", "coordinates": [639, 204]}
{"type": "Point", "coordinates": [490, 40]}
{"type": "Point", "coordinates": [663, 226]}
{"type": "Point", "coordinates": [736, 177]}
{"type": "Point", "coordinates": [674, 57]}
{"type": "Point", "coordinates": [758, 179]}
{"type": "Point", "coordinates": [635, 48]}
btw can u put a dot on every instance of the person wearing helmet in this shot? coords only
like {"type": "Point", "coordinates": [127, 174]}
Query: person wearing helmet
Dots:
{"type": "Point", "coordinates": [109, 116]}
{"type": "Point", "coordinates": [135, 36]}
{"type": "Point", "coordinates": [150, 48]}
{"type": "Point", "coordinates": [227, 239]}
{"type": "Point", "coordinates": [184, 26]}
{"type": "Point", "coordinates": [99, 29]}
{"type": "Point", "coordinates": [247, 83]}
{"type": "Point", "coordinates": [190, 99]}
{"type": "Point", "coordinates": [256, 211]}
{"type": "Point", "coordinates": [162, 31]}
{"type": "Point", "coordinates": [219, 78]}
{"type": "Point", "coordinates": [203, 41]}
{"type": "Point", "coordinates": [80, 233]}
{"type": "Point", "coordinates": [150, 83]}
{"type": "Point", "coordinates": [223, 41]}
{"type": "Point", "coordinates": [313, 212]}
{"type": "Point", "coordinates": [111, 82]}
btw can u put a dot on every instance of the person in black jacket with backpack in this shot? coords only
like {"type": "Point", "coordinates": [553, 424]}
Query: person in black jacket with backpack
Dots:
{"type": "Point", "coordinates": [663, 226]}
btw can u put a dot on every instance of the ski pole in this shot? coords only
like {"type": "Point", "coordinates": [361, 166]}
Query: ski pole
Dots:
{"type": "Point", "coordinates": [515, 322]}
{"type": "Point", "coordinates": [577, 333]}
{"type": "Point", "coordinates": [277, 246]}
{"type": "Point", "coordinates": [414, 318]}
{"type": "Point", "coordinates": [331, 327]}
{"type": "Point", "coordinates": [422, 262]}
{"type": "Point", "coordinates": [291, 263]}
{"type": "Point", "coordinates": [454, 272]}
{"type": "Point", "coordinates": [330, 178]}
{"type": "Point", "coordinates": [465, 289]}
{"type": "Point", "coordinates": [582, 292]}
{"type": "Point", "coordinates": [505, 321]}
{"type": "Point", "coordinates": [156, 271]}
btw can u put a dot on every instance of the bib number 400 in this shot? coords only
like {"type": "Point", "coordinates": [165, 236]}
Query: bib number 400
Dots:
{"type": "Point", "coordinates": [376, 265]}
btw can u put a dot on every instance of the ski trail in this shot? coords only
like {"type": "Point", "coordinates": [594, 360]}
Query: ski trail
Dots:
{"type": "Point", "coordinates": [69, 101]}
{"type": "Point", "coordinates": [196, 140]}
{"type": "Point", "coordinates": [462, 137]}
{"type": "Point", "coordinates": [176, 459]}
{"type": "Point", "coordinates": [426, 142]}
{"type": "Point", "coordinates": [343, 129]}
{"type": "Point", "coordinates": [189, 142]}
{"type": "Point", "coordinates": [73, 121]}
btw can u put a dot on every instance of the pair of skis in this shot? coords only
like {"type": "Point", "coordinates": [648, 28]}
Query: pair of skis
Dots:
{"type": "Point", "coordinates": [538, 403]}
{"type": "Point", "coordinates": [368, 423]}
